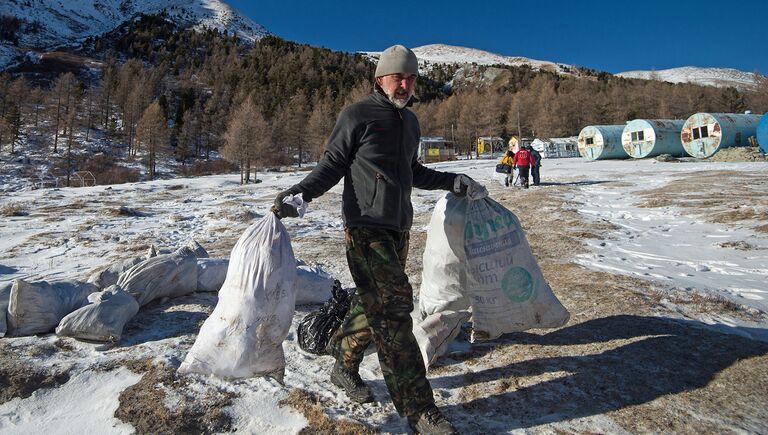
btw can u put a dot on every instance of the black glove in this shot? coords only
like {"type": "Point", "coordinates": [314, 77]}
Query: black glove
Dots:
{"type": "Point", "coordinates": [466, 186]}
{"type": "Point", "coordinates": [282, 209]}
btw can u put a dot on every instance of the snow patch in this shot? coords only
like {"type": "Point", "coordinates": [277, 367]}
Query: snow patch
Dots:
{"type": "Point", "coordinates": [86, 403]}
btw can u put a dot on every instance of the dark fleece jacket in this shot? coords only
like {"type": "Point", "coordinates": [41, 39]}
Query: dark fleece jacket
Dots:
{"type": "Point", "coordinates": [373, 146]}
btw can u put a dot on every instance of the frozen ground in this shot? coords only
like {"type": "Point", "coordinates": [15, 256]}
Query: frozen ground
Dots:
{"type": "Point", "coordinates": [678, 245]}
{"type": "Point", "coordinates": [655, 261]}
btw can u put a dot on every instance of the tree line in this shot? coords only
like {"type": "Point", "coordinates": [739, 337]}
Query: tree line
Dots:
{"type": "Point", "coordinates": [278, 95]}
{"type": "Point", "coordinates": [545, 105]}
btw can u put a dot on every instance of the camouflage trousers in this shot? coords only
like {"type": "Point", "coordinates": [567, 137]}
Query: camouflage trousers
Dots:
{"type": "Point", "coordinates": [381, 312]}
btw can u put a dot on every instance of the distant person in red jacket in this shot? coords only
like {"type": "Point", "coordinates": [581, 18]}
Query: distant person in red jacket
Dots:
{"type": "Point", "coordinates": [523, 161]}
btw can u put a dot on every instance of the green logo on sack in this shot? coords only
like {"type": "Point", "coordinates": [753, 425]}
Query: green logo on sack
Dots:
{"type": "Point", "coordinates": [517, 285]}
{"type": "Point", "coordinates": [483, 226]}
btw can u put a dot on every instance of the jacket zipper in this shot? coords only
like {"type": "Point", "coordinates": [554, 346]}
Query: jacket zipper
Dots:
{"type": "Point", "coordinates": [399, 158]}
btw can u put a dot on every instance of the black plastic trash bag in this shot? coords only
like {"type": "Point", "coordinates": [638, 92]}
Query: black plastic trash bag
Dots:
{"type": "Point", "coordinates": [317, 328]}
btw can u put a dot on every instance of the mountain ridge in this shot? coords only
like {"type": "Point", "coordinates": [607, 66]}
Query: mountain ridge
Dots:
{"type": "Point", "coordinates": [50, 24]}
{"type": "Point", "coordinates": [707, 76]}
{"type": "Point", "coordinates": [432, 54]}
{"type": "Point", "coordinates": [452, 54]}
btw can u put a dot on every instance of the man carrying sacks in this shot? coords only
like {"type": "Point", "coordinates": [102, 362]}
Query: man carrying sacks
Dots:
{"type": "Point", "coordinates": [373, 146]}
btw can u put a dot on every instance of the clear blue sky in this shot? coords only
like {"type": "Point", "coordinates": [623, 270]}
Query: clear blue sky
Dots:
{"type": "Point", "coordinates": [608, 36]}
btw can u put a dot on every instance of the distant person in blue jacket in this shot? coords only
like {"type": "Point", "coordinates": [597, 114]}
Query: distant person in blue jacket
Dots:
{"type": "Point", "coordinates": [535, 165]}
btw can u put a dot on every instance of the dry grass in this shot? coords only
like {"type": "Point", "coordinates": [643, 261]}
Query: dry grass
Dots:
{"type": "Point", "coordinates": [222, 246]}
{"type": "Point", "coordinates": [20, 379]}
{"type": "Point", "coordinates": [175, 217]}
{"type": "Point", "coordinates": [237, 213]}
{"type": "Point", "coordinates": [706, 303]}
{"type": "Point", "coordinates": [739, 154]}
{"type": "Point", "coordinates": [13, 209]}
{"type": "Point", "coordinates": [738, 245]}
{"type": "Point", "coordinates": [242, 215]}
{"type": "Point", "coordinates": [741, 214]}
{"type": "Point", "coordinates": [137, 247]}
{"type": "Point", "coordinates": [123, 211]}
{"type": "Point", "coordinates": [117, 175]}
{"type": "Point", "coordinates": [717, 197]}
{"type": "Point", "coordinates": [143, 404]}
{"type": "Point", "coordinates": [630, 353]}
{"type": "Point", "coordinates": [317, 420]}
{"type": "Point", "coordinates": [75, 206]}
{"type": "Point", "coordinates": [209, 168]}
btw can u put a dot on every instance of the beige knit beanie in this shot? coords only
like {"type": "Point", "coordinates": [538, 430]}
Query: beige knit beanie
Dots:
{"type": "Point", "coordinates": [397, 60]}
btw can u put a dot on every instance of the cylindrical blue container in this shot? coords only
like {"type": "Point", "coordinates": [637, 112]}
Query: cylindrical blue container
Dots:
{"type": "Point", "coordinates": [703, 134]}
{"type": "Point", "coordinates": [762, 134]}
{"type": "Point", "coordinates": [653, 137]}
{"type": "Point", "coordinates": [600, 142]}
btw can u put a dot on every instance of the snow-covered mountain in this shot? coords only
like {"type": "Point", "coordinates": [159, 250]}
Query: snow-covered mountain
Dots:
{"type": "Point", "coordinates": [449, 54]}
{"type": "Point", "coordinates": [47, 24]}
{"type": "Point", "coordinates": [720, 77]}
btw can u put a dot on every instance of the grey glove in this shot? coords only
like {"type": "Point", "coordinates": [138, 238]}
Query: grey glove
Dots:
{"type": "Point", "coordinates": [282, 209]}
{"type": "Point", "coordinates": [466, 186]}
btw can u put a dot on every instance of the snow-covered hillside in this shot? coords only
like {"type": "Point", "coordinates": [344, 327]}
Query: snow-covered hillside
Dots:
{"type": "Point", "coordinates": [449, 54]}
{"type": "Point", "coordinates": [47, 24]}
{"type": "Point", "coordinates": [720, 77]}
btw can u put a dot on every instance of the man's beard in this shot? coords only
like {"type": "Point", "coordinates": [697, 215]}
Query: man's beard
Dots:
{"type": "Point", "coordinates": [397, 101]}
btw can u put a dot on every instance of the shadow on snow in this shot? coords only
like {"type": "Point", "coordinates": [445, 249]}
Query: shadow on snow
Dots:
{"type": "Point", "coordinates": [667, 357]}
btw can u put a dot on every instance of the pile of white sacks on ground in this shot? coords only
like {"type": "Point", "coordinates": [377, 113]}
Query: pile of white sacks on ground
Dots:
{"type": "Point", "coordinates": [99, 308]}
{"type": "Point", "coordinates": [478, 267]}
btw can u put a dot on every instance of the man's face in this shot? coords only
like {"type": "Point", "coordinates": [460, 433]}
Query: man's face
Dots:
{"type": "Point", "coordinates": [398, 88]}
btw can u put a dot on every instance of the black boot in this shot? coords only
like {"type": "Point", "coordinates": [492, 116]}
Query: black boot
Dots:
{"type": "Point", "coordinates": [431, 422]}
{"type": "Point", "coordinates": [351, 383]}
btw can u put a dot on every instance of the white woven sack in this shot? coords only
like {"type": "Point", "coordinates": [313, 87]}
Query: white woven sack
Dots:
{"type": "Point", "coordinates": [243, 336]}
{"type": "Point", "coordinates": [102, 319]}
{"type": "Point", "coordinates": [504, 282]}
{"type": "Point", "coordinates": [37, 307]}
{"type": "Point", "coordinates": [436, 332]}
{"type": "Point", "coordinates": [211, 273]}
{"type": "Point", "coordinates": [164, 276]}
{"type": "Point", "coordinates": [5, 296]}
{"type": "Point", "coordinates": [109, 275]}
{"type": "Point", "coordinates": [476, 255]}
{"type": "Point", "coordinates": [313, 284]}
{"type": "Point", "coordinates": [443, 276]}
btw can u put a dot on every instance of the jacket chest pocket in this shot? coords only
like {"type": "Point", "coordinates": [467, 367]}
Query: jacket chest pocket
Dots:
{"type": "Point", "coordinates": [377, 189]}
